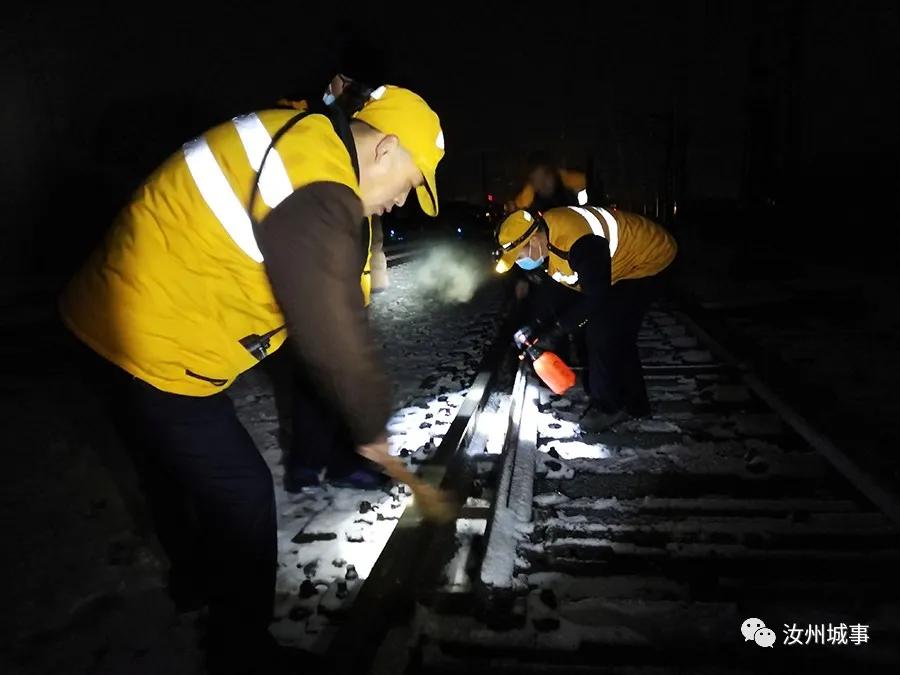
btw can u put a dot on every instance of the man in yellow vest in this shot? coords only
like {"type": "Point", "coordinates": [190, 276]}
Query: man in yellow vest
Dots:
{"type": "Point", "coordinates": [549, 186]}
{"type": "Point", "coordinates": [246, 236]}
{"type": "Point", "coordinates": [604, 264]}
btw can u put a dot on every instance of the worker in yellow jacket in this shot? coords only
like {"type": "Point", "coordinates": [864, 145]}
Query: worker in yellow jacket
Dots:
{"type": "Point", "coordinates": [604, 264]}
{"type": "Point", "coordinates": [549, 186]}
{"type": "Point", "coordinates": [248, 235]}
{"type": "Point", "coordinates": [320, 444]}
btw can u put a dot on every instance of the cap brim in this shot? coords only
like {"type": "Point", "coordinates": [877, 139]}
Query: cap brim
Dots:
{"type": "Point", "coordinates": [427, 194]}
{"type": "Point", "coordinates": [508, 259]}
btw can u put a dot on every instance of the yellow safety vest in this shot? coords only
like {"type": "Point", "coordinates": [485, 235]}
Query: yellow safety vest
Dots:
{"type": "Point", "coordinates": [638, 246]}
{"type": "Point", "coordinates": [179, 280]}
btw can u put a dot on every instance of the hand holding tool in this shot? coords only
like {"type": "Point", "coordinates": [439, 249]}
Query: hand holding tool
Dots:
{"type": "Point", "coordinates": [435, 504]}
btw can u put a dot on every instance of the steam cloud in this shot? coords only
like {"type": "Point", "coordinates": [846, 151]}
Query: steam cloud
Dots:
{"type": "Point", "coordinates": [450, 273]}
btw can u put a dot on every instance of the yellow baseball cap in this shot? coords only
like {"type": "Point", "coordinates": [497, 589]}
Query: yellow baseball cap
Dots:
{"type": "Point", "coordinates": [512, 236]}
{"type": "Point", "coordinates": [398, 111]}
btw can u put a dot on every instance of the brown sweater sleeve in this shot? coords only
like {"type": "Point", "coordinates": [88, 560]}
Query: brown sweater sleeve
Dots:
{"type": "Point", "coordinates": [311, 243]}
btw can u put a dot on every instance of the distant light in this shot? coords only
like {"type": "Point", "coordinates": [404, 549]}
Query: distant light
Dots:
{"type": "Point", "coordinates": [582, 197]}
{"type": "Point", "coordinates": [392, 234]}
{"type": "Point", "coordinates": [487, 214]}
{"type": "Point", "coordinates": [490, 197]}
{"type": "Point", "coordinates": [459, 230]}
{"type": "Point", "coordinates": [674, 208]}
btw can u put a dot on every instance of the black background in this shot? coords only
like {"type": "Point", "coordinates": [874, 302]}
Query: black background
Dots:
{"type": "Point", "coordinates": [750, 115]}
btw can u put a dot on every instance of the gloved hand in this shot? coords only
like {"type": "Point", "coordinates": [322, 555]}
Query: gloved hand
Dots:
{"type": "Point", "coordinates": [524, 338]}
{"type": "Point", "coordinates": [435, 504]}
{"type": "Point", "coordinates": [378, 451]}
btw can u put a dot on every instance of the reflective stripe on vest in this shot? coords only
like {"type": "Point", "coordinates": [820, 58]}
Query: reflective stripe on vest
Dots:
{"type": "Point", "coordinates": [274, 182]}
{"type": "Point", "coordinates": [613, 226]}
{"type": "Point", "coordinates": [582, 197]}
{"type": "Point", "coordinates": [571, 279]}
{"type": "Point", "coordinates": [597, 228]}
{"type": "Point", "coordinates": [219, 196]}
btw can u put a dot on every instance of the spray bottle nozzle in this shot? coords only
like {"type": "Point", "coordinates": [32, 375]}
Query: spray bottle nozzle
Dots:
{"type": "Point", "coordinates": [534, 353]}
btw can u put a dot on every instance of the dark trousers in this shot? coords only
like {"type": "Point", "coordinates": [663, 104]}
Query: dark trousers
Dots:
{"type": "Point", "coordinates": [212, 499]}
{"type": "Point", "coordinates": [614, 378]}
{"type": "Point", "coordinates": [320, 439]}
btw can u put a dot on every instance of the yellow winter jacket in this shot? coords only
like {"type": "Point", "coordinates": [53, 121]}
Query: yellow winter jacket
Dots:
{"type": "Point", "coordinates": [638, 247]}
{"type": "Point", "coordinates": [179, 281]}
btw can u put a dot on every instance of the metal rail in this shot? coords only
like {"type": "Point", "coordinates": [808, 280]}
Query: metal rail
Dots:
{"type": "Point", "coordinates": [416, 549]}
{"type": "Point", "coordinates": [867, 483]}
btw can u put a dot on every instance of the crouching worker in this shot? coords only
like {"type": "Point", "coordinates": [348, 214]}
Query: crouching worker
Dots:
{"type": "Point", "coordinates": [608, 261]}
{"type": "Point", "coordinates": [549, 186]}
{"type": "Point", "coordinates": [248, 235]}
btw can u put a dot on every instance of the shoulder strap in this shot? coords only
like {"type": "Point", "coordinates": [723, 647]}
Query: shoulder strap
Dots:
{"type": "Point", "coordinates": [555, 250]}
{"type": "Point", "coordinates": [558, 251]}
{"type": "Point", "coordinates": [339, 123]}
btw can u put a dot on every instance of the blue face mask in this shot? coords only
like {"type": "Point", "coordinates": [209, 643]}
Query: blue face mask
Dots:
{"type": "Point", "coordinates": [529, 263]}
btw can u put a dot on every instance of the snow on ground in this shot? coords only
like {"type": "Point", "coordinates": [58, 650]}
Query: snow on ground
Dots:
{"type": "Point", "coordinates": [432, 349]}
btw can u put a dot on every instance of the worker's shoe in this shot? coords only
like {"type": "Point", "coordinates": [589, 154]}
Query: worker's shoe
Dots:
{"type": "Point", "coordinates": [364, 478]}
{"type": "Point", "coordinates": [638, 411]}
{"type": "Point", "coordinates": [638, 406]}
{"type": "Point", "coordinates": [596, 421]}
{"type": "Point", "coordinates": [187, 590]}
{"type": "Point", "coordinates": [300, 478]}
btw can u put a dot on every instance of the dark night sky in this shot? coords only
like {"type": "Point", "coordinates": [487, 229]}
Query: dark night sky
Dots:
{"type": "Point", "coordinates": [97, 94]}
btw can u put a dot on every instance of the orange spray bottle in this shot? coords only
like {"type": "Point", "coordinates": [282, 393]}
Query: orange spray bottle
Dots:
{"type": "Point", "coordinates": [548, 366]}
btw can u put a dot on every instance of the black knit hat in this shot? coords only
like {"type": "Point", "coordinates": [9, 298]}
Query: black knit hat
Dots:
{"type": "Point", "coordinates": [364, 61]}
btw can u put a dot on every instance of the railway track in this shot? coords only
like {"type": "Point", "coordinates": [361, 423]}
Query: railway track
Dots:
{"type": "Point", "coordinates": [642, 549]}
